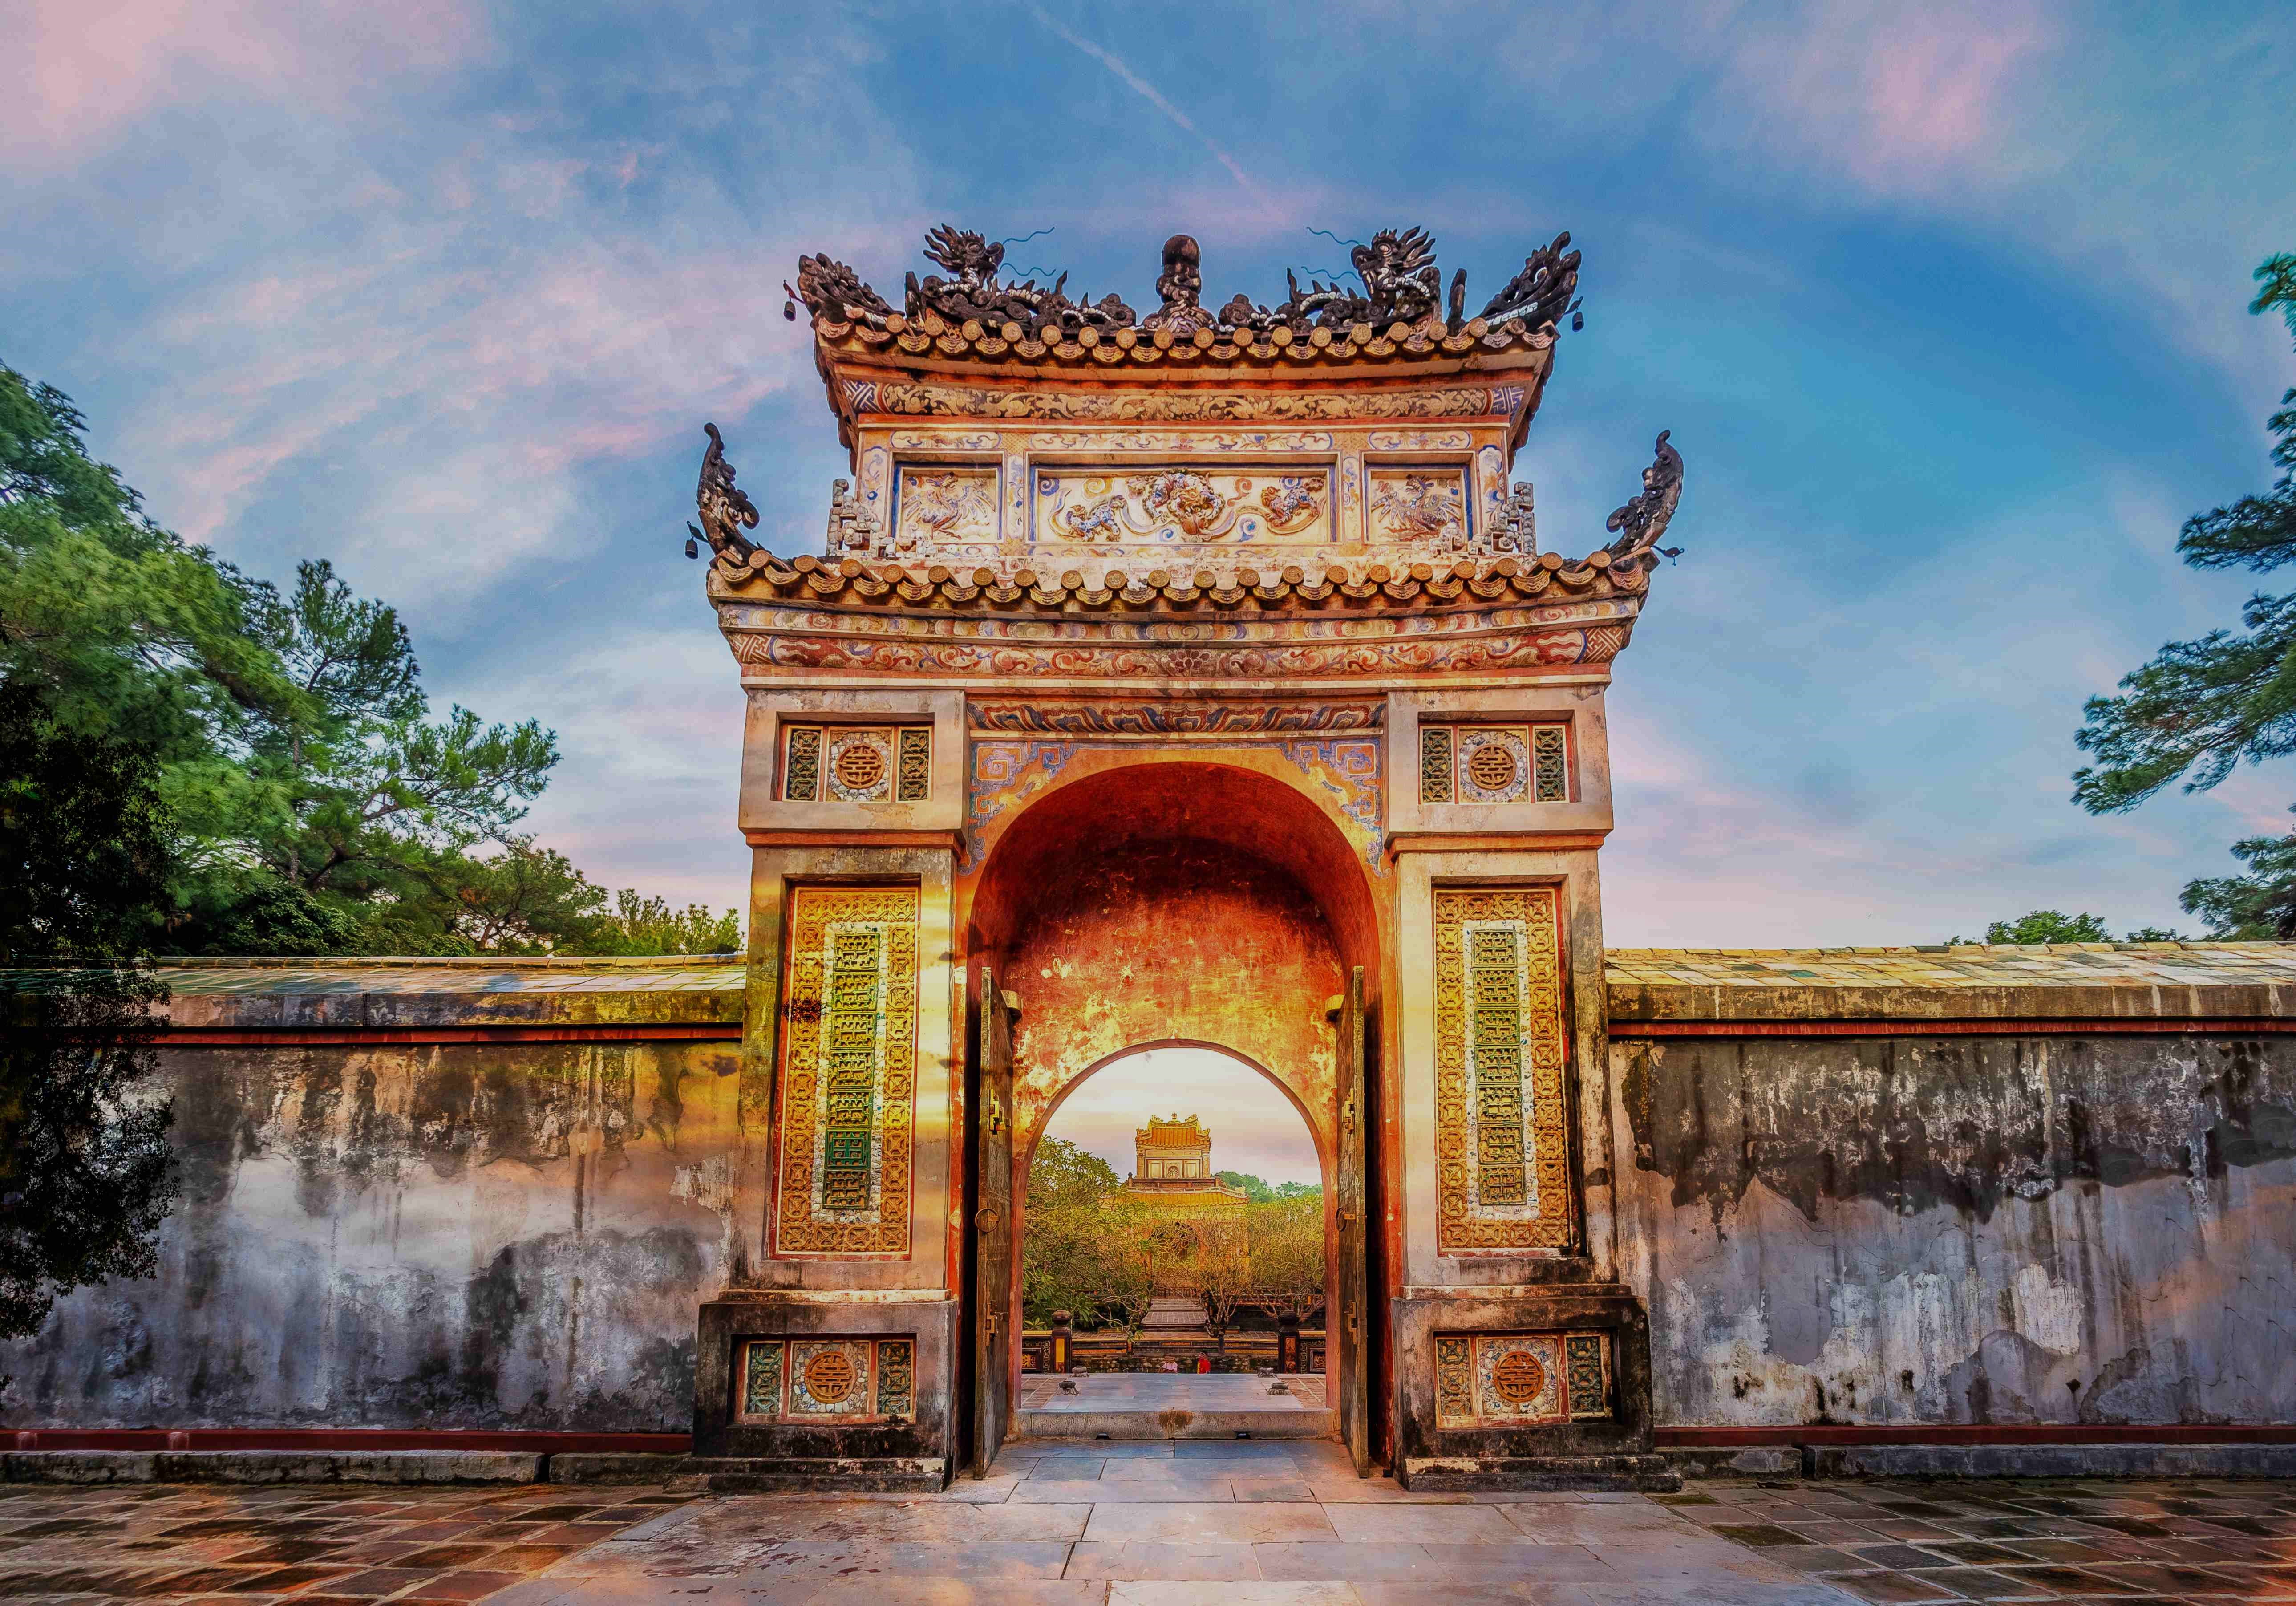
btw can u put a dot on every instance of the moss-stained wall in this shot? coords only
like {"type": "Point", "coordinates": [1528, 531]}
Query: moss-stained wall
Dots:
{"type": "Point", "coordinates": [1976, 1226]}
{"type": "Point", "coordinates": [442, 1235]}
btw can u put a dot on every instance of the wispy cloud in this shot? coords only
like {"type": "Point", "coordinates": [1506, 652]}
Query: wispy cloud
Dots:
{"type": "Point", "coordinates": [76, 74]}
{"type": "Point", "coordinates": [1154, 97]}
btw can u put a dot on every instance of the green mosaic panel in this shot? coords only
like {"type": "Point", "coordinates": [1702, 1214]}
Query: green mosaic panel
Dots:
{"type": "Point", "coordinates": [801, 777]}
{"type": "Point", "coordinates": [1434, 764]}
{"type": "Point", "coordinates": [1494, 1012]}
{"type": "Point", "coordinates": [1550, 765]}
{"type": "Point", "coordinates": [897, 1378]}
{"type": "Point", "coordinates": [761, 1378]}
{"type": "Point", "coordinates": [852, 1023]}
{"type": "Point", "coordinates": [1587, 1370]}
{"type": "Point", "coordinates": [912, 770]}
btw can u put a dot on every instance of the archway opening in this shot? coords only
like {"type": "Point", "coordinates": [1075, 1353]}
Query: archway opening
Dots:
{"type": "Point", "coordinates": [1136, 904]}
{"type": "Point", "coordinates": [1177, 1248]}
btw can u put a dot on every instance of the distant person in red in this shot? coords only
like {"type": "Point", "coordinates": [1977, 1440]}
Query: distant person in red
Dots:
{"type": "Point", "coordinates": [1203, 1363]}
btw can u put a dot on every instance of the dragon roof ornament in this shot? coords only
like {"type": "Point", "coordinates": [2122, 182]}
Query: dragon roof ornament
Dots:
{"type": "Point", "coordinates": [1396, 270]}
{"type": "Point", "coordinates": [1641, 523]}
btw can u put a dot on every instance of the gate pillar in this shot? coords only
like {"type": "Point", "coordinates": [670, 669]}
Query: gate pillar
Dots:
{"type": "Point", "coordinates": [1278, 547]}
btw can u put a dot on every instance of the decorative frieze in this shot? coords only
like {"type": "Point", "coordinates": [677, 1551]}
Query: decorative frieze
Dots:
{"type": "Point", "coordinates": [849, 1071]}
{"type": "Point", "coordinates": [825, 1380]}
{"type": "Point", "coordinates": [1521, 1378]}
{"type": "Point", "coordinates": [1159, 721]}
{"type": "Point", "coordinates": [1500, 1125]}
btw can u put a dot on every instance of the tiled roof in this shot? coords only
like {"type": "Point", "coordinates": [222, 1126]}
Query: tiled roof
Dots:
{"type": "Point", "coordinates": [1359, 587]}
{"type": "Point", "coordinates": [386, 993]}
{"type": "Point", "coordinates": [2060, 981]}
{"type": "Point", "coordinates": [2040, 981]}
{"type": "Point", "coordinates": [1141, 350]}
{"type": "Point", "coordinates": [682, 973]}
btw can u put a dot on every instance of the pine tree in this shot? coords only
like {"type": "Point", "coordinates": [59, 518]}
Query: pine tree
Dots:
{"type": "Point", "coordinates": [2199, 708]}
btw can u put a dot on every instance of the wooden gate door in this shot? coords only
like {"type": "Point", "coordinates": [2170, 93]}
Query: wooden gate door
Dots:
{"type": "Point", "coordinates": [992, 1220]}
{"type": "Point", "coordinates": [1355, 1271]}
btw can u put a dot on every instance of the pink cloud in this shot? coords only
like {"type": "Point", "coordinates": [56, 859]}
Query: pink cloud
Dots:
{"type": "Point", "coordinates": [1902, 105]}
{"type": "Point", "coordinates": [81, 72]}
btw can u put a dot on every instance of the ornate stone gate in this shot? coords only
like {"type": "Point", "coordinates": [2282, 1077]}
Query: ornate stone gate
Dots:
{"type": "Point", "coordinates": [1188, 677]}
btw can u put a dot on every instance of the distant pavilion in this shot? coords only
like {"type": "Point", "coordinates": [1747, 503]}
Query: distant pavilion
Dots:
{"type": "Point", "coordinates": [1173, 1166]}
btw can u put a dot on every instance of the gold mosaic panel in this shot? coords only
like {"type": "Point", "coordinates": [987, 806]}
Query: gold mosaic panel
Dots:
{"type": "Point", "coordinates": [1181, 505]}
{"type": "Point", "coordinates": [1502, 1379]}
{"type": "Point", "coordinates": [1503, 1180]}
{"type": "Point", "coordinates": [1422, 506]}
{"type": "Point", "coordinates": [1454, 1380]}
{"type": "Point", "coordinates": [849, 1071]}
{"type": "Point", "coordinates": [938, 508]}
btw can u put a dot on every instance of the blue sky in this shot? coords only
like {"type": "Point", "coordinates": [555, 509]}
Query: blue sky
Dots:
{"type": "Point", "coordinates": [1945, 305]}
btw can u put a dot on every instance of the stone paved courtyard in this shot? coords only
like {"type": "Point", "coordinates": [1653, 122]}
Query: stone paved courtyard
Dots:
{"type": "Point", "coordinates": [1151, 1523]}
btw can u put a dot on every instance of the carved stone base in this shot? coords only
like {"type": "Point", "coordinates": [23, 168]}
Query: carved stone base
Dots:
{"type": "Point", "coordinates": [797, 1390]}
{"type": "Point", "coordinates": [1646, 1474]}
{"type": "Point", "coordinates": [858, 1474]}
{"type": "Point", "coordinates": [1526, 1387]}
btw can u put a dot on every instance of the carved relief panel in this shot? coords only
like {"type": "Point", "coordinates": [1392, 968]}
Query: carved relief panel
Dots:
{"type": "Point", "coordinates": [1181, 505]}
{"type": "Point", "coordinates": [856, 764]}
{"type": "Point", "coordinates": [1502, 1379]}
{"type": "Point", "coordinates": [849, 1071]}
{"type": "Point", "coordinates": [950, 510]}
{"type": "Point", "coordinates": [823, 1380]}
{"type": "Point", "coordinates": [1495, 763]}
{"type": "Point", "coordinates": [1503, 1170]}
{"type": "Point", "coordinates": [1422, 505]}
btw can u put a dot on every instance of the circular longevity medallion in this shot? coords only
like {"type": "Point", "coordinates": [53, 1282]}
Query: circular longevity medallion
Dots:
{"type": "Point", "coordinates": [1518, 1379]}
{"type": "Point", "coordinates": [829, 1376]}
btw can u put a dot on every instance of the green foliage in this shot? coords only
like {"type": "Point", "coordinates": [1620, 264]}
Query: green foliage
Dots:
{"type": "Point", "coordinates": [2201, 707]}
{"type": "Point", "coordinates": [1096, 1260]}
{"type": "Point", "coordinates": [85, 1173]}
{"type": "Point", "coordinates": [649, 925]}
{"type": "Point", "coordinates": [1060, 1173]}
{"type": "Point", "coordinates": [85, 843]}
{"type": "Point", "coordinates": [2045, 925]}
{"type": "Point", "coordinates": [2259, 906]}
{"type": "Point", "coordinates": [1071, 1258]}
{"type": "Point", "coordinates": [312, 804]}
{"type": "Point", "coordinates": [1286, 1239]}
{"type": "Point", "coordinates": [1258, 1191]}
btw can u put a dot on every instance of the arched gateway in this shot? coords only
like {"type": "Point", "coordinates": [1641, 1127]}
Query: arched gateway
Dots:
{"type": "Point", "coordinates": [1188, 678]}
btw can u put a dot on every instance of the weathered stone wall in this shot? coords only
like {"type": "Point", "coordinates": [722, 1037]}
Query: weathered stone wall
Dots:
{"type": "Point", "coordinates": [497, 1234]}
{"type": "Point", "coordinates": [2069, 1227]}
